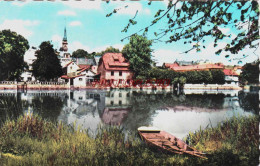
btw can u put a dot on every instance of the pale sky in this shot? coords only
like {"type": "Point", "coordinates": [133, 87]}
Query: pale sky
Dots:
{"type": "Point", "coordinates": [88, 27]}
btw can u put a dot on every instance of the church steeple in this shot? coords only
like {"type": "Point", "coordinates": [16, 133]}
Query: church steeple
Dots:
{"type": "Point", "coordinates": [65, 34]}
{"type": "Point", "coordinates": [64, 41]}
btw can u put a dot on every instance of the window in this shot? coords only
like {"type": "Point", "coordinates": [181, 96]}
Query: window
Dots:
{"type": "Point", "coordinates": [120, 94]}
{"type": "Point", "coordinates": [112, 102]}
{"type": "Point", "coordinates": [120, 102]}
{"type": "Point", "coordinates": [80, 79]}
{"type": "Point", "coordinates": [80, 98]}
{"type": "Point", "coordinates": [120, 73]}
{"type": "Point", "coordinates": [112, 73]}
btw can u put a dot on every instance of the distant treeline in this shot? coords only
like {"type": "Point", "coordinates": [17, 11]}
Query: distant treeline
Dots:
{"type": "Point", "coordinates": [193, 77]}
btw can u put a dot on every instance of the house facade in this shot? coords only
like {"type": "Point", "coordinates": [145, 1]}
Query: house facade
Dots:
{"type": "Point", "coordinates": [113, 66]}
{"type": "Point", "coordinates": [76, 75]}
{"type": "Point", "coordinates": [231, 77]}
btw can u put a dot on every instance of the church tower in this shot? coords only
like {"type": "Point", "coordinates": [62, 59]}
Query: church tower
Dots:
{"type": "Point", "coordinates": [64, 42]}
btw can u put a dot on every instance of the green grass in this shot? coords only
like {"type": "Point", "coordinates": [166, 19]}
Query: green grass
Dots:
{"type": "Point", "coordinates": [31, 140]}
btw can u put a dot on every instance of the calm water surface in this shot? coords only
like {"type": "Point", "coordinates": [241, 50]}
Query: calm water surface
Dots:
{"type": "Point", "coordinates": [177, 113]}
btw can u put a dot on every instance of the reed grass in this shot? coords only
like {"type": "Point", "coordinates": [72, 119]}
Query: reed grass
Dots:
{"type": "Point", "coordinates": [31, 140]}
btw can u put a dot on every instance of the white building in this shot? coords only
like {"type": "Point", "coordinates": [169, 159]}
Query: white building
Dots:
{"type": "Point", "coordinates": [231, 77]}
{"type": "Point", "coordinates": [76, 75]}
{"type": "Point", "coordinates": [29, 58]}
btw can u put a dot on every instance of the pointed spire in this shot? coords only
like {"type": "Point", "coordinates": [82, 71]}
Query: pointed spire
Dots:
{"type": "Point", "coordinates": [65, 34]}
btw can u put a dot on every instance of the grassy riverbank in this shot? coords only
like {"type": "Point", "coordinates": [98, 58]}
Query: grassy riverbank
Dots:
{"type": "Point", "coordinates": [30, 140]}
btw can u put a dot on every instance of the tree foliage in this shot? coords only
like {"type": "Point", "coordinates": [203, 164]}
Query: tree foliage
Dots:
{"type": "Point", "coordinates": [218, 76]}
{"type": "Point", "coordinates": [250, 73]}
{"type": "Point", "coordinates": [47, 65]}
{"type": "Point", "coordinates": [80, 53]}
{"type": "Point", "coordinates": [191, 77]}
{"type": "Point", "coordinates": [108, 49]}
{"type": "Point", "coordinates": [12, 49]}
{"type": "Point", "coordinates": [138, 52]}
{"type": "Point", "coordinates": [194, 21]}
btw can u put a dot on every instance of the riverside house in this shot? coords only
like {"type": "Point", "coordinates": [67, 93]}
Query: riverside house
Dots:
{"type": "Point", "coordinates": [231, 72]}
{"type": "Point", "coordinates": [77, 75]}
{"type": "Point", "coordinates": [113, 66]}
{"type": "Point", "coordinates": [231, 77]}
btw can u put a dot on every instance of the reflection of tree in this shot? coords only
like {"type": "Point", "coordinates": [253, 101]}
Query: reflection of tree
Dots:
{"type": "Point", "coordinates": [157, 101]}
{"type": "Point", "coordinates": [211, 101]}
{"type": "Point", "coordinates": [48, 106]}
{"type": "Point", "coordinates": [10, 107]}
{"type": "Point", "coordinates": [249, 101]}
{"type": "Point", "coordinates": [144, 106]}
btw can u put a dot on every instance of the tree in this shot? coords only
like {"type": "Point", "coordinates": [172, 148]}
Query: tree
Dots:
{"type": "Point", "coordinates": [192, 77]}
{"type": "Point", "coordinates": [206, 76]}
{"type": "Point", "coordinates": [108, 49]}
{"type": "Point", "coordinates": [12, 50]}
{"type": "Point", "coordinates": [80, 53]}
{"type": "Point", "coordinates": [194, 21]}
{"type": "Point", "coordinates": [218, 77]}
{"type": "Point", "coordinates": [138, 52]}
{"type": "Point", "coordinates": [250, 73]}
{"type": "Point", "coordinates": [47, 65]}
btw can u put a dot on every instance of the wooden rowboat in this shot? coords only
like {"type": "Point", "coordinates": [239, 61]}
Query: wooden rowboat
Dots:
{"type": "Point", "coordinates": [167, 142]}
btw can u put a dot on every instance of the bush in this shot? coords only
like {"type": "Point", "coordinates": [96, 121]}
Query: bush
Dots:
{"type": "Point", "coordinates": [30, 140]}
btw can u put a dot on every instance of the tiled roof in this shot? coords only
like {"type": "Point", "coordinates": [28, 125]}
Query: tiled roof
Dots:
{"type": "Point", "coordinates": [171, 65]}
{"type": "Point", "coordinates": [229, 72]}
{"type": "Point", "coordinates": [67, 77]}
{"type": "Point", "coordinates": [239, 67]}
{"type": "Point", "coordinates": [197, 67]}
{"type": "Point", "coordinates": [68, 64]}
{"type": "Point", "coordinates": [115, 61]}
{"type": "Point", "coordinates": [84, 67]}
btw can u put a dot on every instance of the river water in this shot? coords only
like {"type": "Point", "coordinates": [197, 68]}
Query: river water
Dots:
{"type": "Point", "coordinates": [176, 113]}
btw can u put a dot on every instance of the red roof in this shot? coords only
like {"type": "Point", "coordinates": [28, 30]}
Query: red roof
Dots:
{"type": "Point", "coordinates": [84, 67]}
{"type": "Point", "coordinates": [67, 77]}
{"type": "Point", "coordinates": [115, 61]}
{"type": "Point", "coordinates": [197, 67]}
{"type": "Point", "coordinates": [229, 72]}
{"type": "Point", "coordinates": [68, 64]}
{"type": "Point", "coordinates": [171, 65]}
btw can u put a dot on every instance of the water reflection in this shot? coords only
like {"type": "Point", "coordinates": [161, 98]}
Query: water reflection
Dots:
{"type": "Point", "coordinates": [178, 114]}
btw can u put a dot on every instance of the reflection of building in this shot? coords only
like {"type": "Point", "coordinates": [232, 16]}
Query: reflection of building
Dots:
{"type": "Point", "coordinates": [118, 98]}
{"type": "Point", "coordinates": [114, 116]}
{"type": "Point", "coordinates": [113, 66]}
{"type": "Point", "coordinates": [117, 105]}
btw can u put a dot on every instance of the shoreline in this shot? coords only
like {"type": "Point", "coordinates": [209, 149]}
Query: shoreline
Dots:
{"type": "Point", "coordinates": [10, 85]}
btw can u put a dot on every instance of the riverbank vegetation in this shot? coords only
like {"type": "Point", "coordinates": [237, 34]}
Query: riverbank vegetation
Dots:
{"type": "Point", "coordinates": [31, 140]}
{"type": "Point", "coordinates": [191, 77]}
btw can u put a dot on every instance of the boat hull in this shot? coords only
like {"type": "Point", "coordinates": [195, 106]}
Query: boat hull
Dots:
{"type": "Point", "coordinates": [166, 142]}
